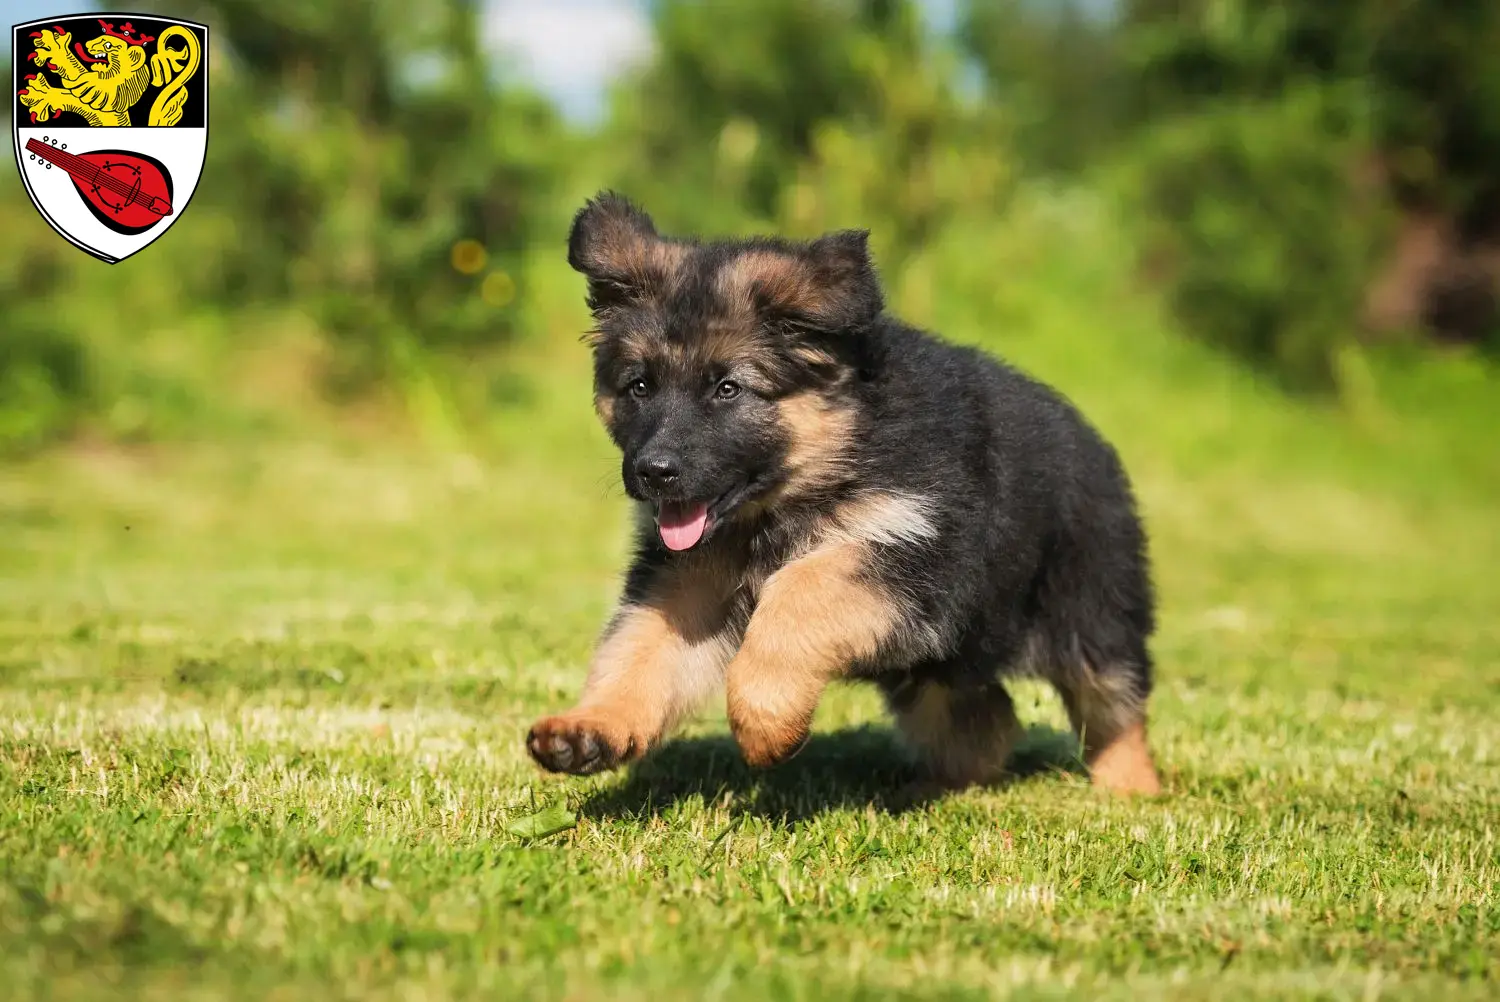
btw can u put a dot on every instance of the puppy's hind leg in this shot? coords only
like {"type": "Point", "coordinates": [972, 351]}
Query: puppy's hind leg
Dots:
{"type": "Point", "coordinates": [963, 735]}
{"type": "Point", "coordinates": [1107, 706]}
{"type": "Point", "coordinates": [1092, 643]}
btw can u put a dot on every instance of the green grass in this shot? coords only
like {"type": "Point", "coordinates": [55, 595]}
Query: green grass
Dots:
{"type": "Point", "coordinates": [261, 718]}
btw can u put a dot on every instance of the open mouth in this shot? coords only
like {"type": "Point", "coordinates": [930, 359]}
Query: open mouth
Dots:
{"type": "Point", "coordinates": [682, 524]}
{"type": "Point", "coordinates": [685, 524]}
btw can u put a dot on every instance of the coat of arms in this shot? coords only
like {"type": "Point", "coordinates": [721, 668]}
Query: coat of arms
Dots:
{"type": "Point", "coordinates": [110, 114]}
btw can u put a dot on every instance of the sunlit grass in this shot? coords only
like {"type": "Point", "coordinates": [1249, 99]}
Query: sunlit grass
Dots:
{"type": "Point", "coordinates": [261, 711]}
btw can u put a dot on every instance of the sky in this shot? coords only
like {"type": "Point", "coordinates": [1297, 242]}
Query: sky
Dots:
{"type": "Point", "coordinates": [569, 49]}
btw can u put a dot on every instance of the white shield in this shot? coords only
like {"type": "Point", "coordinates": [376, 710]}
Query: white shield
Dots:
{"type": "Point", "coordinates": [110, 113]}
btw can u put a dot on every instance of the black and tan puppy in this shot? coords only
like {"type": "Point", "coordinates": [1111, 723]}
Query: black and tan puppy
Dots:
{"type": "Point", "coordinates": [826, 493]}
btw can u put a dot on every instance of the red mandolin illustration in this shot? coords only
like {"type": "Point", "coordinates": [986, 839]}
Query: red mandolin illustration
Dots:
{"type": "Point", "coordinates": [128, 192]}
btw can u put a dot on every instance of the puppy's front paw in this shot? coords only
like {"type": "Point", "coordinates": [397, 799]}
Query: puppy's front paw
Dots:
{"type": "Point", "coordinates": [767, 741]}
{"type": "Point", "coordinates": [581, 744]}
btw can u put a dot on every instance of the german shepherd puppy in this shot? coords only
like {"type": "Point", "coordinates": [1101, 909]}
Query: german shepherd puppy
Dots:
{"type": "Point", "coordinates": [826, 493]}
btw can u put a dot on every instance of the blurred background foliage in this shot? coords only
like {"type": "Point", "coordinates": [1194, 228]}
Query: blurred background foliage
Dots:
{"type": "Point", "coordinates": [1302, 183]}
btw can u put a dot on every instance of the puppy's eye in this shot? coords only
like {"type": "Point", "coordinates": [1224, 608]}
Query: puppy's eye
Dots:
{"type": "Point", "coordinates": [638, 389]}
{"type": "Point", "coordinates": [727, 390]}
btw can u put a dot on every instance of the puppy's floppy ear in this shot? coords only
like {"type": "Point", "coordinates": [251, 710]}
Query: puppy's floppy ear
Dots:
{"type": "Point", "coordinates": [848, 291]}
{"type": "Point", "coordinates": [617, 247]}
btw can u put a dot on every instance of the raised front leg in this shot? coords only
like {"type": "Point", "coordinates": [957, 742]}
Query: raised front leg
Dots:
{"type": "Point", "coordinates": [661, 655]}
{"type": "Point", "coordinates": [816, 616]}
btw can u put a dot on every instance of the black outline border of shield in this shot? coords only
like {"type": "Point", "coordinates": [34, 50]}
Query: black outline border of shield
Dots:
{"type": "Point", "coordinates": [15, 127]}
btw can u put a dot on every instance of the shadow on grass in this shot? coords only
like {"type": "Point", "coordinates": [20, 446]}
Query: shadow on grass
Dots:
{"type": "Point", "coordinates": [858, 767]}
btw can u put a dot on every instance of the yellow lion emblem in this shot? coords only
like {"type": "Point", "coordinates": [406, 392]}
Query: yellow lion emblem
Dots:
{"type": "Point", "coordinates": [103, 91]}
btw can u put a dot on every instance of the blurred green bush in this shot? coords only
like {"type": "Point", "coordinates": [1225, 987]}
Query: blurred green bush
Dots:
{"type": "Point", "coordinates": [379, 187]}
{"type": "Point", "coordinates": [366, 171]}
{"type": "Point", "coordinates": [394, 184]}
{"type": "Point", "coordinates": [1265, 243]}
{"type": "Point", "coordinates": [45, 382]}
{"type": "Point", "coordinates": [1299, 132]}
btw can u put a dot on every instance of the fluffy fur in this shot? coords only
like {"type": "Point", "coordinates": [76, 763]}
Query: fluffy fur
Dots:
{"type": "Point", "coordinates": [861, 501]}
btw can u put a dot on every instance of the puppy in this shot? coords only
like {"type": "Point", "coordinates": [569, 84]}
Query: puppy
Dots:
{"type": "Point", "coordinates": [825, 493]}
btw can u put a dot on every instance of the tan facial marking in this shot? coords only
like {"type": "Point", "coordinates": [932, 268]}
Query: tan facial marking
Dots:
{"type": "Point", "coordinates": [821, 434]}
{"type": "Point", "coordinates": [604, 406]}
{"type": "Point", "coordinates": [638, 346]}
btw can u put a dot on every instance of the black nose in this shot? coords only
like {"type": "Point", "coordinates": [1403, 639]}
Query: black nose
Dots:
{"type": "Point", "coordinates": [658, 471]}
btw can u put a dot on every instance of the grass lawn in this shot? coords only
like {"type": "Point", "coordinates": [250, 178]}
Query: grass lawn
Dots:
{"type": "Point", "coordinates": [262, 708]}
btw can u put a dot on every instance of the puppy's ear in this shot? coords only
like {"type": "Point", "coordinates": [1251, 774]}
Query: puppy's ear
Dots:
{"type": "Point", "coordinates": [827, 285]}
{"type": "Point", "coordinates": [847, 290]}
{"type": "Point", "coordinates": [617, 247]}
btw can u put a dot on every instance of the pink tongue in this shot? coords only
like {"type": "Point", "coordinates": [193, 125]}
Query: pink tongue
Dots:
{"type": "Point", "coordinates": [682, 523]}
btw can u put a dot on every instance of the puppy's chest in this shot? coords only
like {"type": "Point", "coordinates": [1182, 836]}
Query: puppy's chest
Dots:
{"type": "Point", "coordinates": [750, 582]}
{"type": "Point", "coordinates": [742, 569]}
{"type": "Point", "coordinates": [732, 574]}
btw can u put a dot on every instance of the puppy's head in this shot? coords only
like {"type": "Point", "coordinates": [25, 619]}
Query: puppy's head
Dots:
{"type": "Point", "coordinates": [720, 367]}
